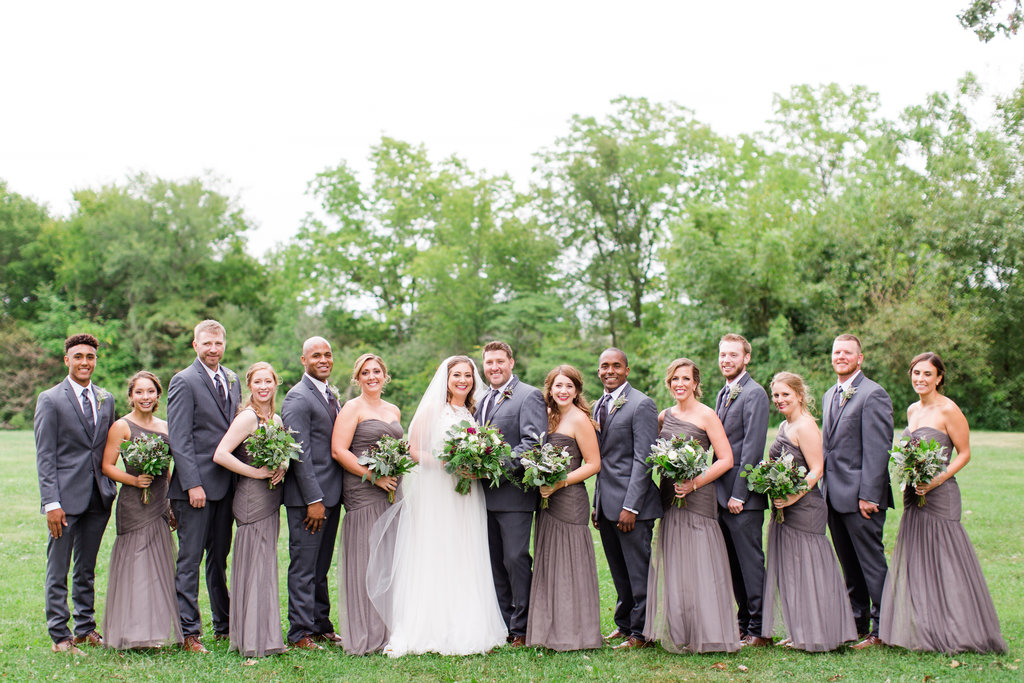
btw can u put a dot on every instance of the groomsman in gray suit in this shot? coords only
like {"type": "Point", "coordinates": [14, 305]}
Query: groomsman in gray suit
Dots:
{"type": "Point", "coordinates": [857, 434]}
{"type": "Point", "coordinates": [71, 424]}
{"type": "Point", "coordinates": [518, 411]}
{"type": "Point", "coordinates": [626, 500]}
{"type": "Point", "coordinates": [742, 406]}
{"type": "Point", "coordinates": [312, 498]}
{"type": "Point", "coordinates": [202, 400]}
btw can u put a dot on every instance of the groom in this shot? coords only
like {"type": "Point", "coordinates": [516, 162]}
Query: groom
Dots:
{"type": "Point", "coordinates": [626, 500]}
{"type": "Point", "coordinates": [517, 410]}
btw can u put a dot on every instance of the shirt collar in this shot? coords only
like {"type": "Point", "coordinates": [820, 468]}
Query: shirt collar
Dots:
{"type": "Point", "coordinates": [79, 389]}
{"type": "Point", "coordinates": [321, 386]}
{"type": "Point", "coordinates": [612, 395]}
{"type": "Point", "coordinates": [212, 373]}
{"type": "Point", "coordinates": [844, 386]}
{"type": "Point", "coordinates": [503, 387]}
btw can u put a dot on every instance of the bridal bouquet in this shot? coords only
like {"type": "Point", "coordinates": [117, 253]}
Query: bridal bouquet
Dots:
{"type": "Point", "coordinates": [474, 452]}
{"type": "Point", "coordinates": [678, 459]}
{"type": "Point", "coordinates": [545, 465]}
{"type": "Point", "coordinates": [777, 477]}
{"type": "Point", "coordinates": [149, 454]}
{"type": "Point", "coordinates": [915, 461]}
{"type": "Point", "coordinates": [272, 447]}
{"type": "Point", "coordinates": [389, 457]}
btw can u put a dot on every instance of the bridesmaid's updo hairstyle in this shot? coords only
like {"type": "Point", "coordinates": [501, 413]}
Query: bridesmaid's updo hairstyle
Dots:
{"type": "Point", "coordinates": [363, 360]}
{"type": "Point", "coordinates": [684, 363]}
{"type": "Point", "coordinates": [554, 414]}
{"type": "Point", "coordinates": [933, 358]}
{"type": "Point", "coordinates": [253, 369]}
{"type": "Point", "coordinates": [470, 398]}
{"type": "Point", "coordinates": [798, 385]}
{"type": "Point", "coordinates": [145, 374]}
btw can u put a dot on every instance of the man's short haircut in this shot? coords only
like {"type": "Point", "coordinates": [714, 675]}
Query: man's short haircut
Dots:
{"type": "Point", "coordinates": [733, 337]}
{"type": "Point", "coordinates": [209, 326]}
{"type": "Point", "coordinates": [76, 339]}
{"type": "Point", "coordinates": [850, 337]}
{"type": "Point", "coordinates": [498, 346]}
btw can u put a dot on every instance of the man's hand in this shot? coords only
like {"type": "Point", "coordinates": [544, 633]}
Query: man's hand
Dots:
{"type": "Point", "coordinates": [316, 513]}
{"type": "Point", "coordinates": [197, 497]}
{"type": "Point", "coordinates": [56, 521]}
{"type": "Point", "coordinates": [627, 520]}
{"type": "Point", "coordinates": [593, 517]}
{"type": "Point", "coordinates": [867, 509]}
{"type": "Point", "coordinates": [735, 506]}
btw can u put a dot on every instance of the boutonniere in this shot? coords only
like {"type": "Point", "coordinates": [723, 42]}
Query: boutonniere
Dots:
{"type": "Point", "coordinates": [101, 396]}
{"type": "Point", "coordinates": [617, 403]}
{"type": "Point", "coordinates": [847, 395]}
{"type": "Point", "coordinates": [334, 392]}
{"type": "Point", "coordinates": [232, 378]}
{"type": "Point", "coordinates": [506, 394]}
{"type": "Point", "coordinates": [734, 393]}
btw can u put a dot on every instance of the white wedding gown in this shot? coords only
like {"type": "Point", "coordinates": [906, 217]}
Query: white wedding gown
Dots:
{"type": "Point", "coordinates": [429, 573]}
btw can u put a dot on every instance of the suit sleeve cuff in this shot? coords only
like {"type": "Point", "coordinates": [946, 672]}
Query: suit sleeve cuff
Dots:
{"type": "Point", "coordinates": [630, 510]}
{"type": "Point", "coordinates": [51, 506]}
{"type": "Point", "coordinates": [741, 502]}
{"type": "Point", "coordinates": [318, 500]}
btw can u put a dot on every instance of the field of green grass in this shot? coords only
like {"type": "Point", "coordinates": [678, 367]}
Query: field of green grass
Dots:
{"type": "Point", "coordinates": [993, 513]}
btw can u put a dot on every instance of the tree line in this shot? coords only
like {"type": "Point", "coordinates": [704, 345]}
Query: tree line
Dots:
{"type": "Point", "coordinates": [644, 229]}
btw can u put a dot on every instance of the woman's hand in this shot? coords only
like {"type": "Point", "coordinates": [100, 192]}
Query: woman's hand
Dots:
{"type": "Point", "coordinates": [143, 481]}
{"type": "Point", "coordinates": [780, 503]}
{"type": "Point", "coordinates": [262, 473]}
{"type": "Point", "coordinates": [922, 489]}
{"type": "Point", "coordinates": [387, 483]}
{"type": "Point", "coordinates": [276, 476]}
{"type": "Point", "coordinates": [546, 491]}
{"type": "Point", "coordinates": [685, 488]}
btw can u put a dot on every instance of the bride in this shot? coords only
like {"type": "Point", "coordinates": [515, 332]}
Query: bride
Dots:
{"type": "Point", "coordinates": [429, 574]}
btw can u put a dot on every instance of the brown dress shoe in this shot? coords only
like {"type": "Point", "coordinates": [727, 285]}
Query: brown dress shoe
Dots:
{"type": "Point", "coordinates": [517, 641]}
{"type": "Point", "coordinates": [617, 633]}
{"type": "Point", "coordinates": [632, 643]}
{"type": "Point", "coordinates": [192, 644]}
{"type": "Point", "coordinates": [757, 641]}
{"type": "Point", "coordinates": [870, 641]}
{"type": "Point", "coordinates": [329, 637]}
{"type": "Point", "coordinates": [306, 643]}
{"type": "Point", "coordinates": [67, 645]}
{"type": "Point", "coordinates": [91, 638]}
{"type": "Point", "coordinates": [221, 636]}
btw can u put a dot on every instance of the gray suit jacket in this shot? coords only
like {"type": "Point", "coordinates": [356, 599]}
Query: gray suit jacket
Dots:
{"type": "Point", "coordinates": [746, 426]}
{"type": "Point", "coordinates": [196, 422]}
{"type": "Point", "coordinates": [521, 418]}
{"type": "Point", "coordinates": [857, 447]}
{"type": "Point", "coordinates": [625, 441]}
{"type": "Point", "coordinates": [68, 459]}
{"type": "Point", "coordinates": [316, 476]}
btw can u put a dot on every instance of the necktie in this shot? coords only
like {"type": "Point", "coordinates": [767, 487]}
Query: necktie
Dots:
{"type": "Point", "coordinates": [837, 397]}
{"type": "Point", "coordinates": [722, 396]}
{"type": "Point", "coordinates": [602, 410]}
{"type": "Point", "coordinates": [332, 402]}
{"type": "Point", "coordinates": [90, 421]}
{"type": "Point", "coordinates": [488, 405]}
{"type": "Point", "coordinates": [219, 385]}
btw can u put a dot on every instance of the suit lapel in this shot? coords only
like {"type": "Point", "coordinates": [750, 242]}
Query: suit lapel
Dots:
{"type": "Point", "coordinates": [322, 402]}
{"type": "Point", "coordinates": [204, 377]}
{"type": "Point", "coordinates": [613, 411]}
{"type": "Point", "coordinates": [101, 407]}
{"type": "Point", "coordinates": [77, 407]}
{"type": "Point", "coordinates": [500, 398]}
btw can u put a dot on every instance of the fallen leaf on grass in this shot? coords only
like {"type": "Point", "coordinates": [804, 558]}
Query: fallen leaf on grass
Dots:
{"type": "Point", "coordinates": [718, 665]}
{"type": "Point", "coordinates": [249, 662]}
{"type": "Point", "coordinates": [954, 664]}
{"type": "Point", "coordinates": [836, 677]}
{"type": "Point", "coordinates": [743, 668]}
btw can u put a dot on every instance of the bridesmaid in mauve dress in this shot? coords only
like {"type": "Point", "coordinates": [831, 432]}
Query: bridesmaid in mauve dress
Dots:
{"type": "Point", "coordinates": [255, 615]}
{"type": "Point", "coordinates": [690, 605]}
{"type": "Point", "coordinates": [361, 423]}
{"type": "Point", "coordinates": [935, 595]}
{"type": "Point", "coordinates": [802, 579]}
{"type": "Point", "coordinates": [142, 605]}
{"type": "Point", "coordinates": [564, 611]}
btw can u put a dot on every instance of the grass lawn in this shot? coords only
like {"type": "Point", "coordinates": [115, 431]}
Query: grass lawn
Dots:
{"type": "Point", "coordinates": [993, 514]}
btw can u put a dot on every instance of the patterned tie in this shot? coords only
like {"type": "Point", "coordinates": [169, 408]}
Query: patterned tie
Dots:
{"type": "Point", "coordinates": [488, 405]}
{"type": "Point", "coordinates": [221, 394]}
{"type": "Point", "coordinates": [720, 402]}
{"type": "Point", "coordinates": [602, 410]}
{"type": "Point", "coordinates": [833, 415]}
{"type": "Point", "coordinates": [90, 421]}
{"type": "Point", "coordinates": [332, 402]}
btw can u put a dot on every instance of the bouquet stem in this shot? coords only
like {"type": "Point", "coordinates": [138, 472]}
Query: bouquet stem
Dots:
{"type": "Point", "coordinates": [145, 496]}
{"type": "Point", "coordinates": [780, 516]}
{"type": "Point", "coordinates": [544, 503]}
{"type": "Point", "coordinates": [464, 486]}
{"type": "Point", "coordinates": [921, 501]}
{"type": "Point", "coordinates": [391, 496]}
{"type": "Point", "coordinates": [270, 484]}
{"type": "Point", "coordinates": [680, 501]}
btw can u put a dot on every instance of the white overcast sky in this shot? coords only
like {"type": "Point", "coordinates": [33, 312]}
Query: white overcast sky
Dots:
{"type": "Point", "coordinates": [265, 95]}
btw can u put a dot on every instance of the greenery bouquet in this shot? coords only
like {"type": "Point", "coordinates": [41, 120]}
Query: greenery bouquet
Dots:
{"type": "Point", "coordinates": [678, 459]}
{"type": "Point", "coordinates": [474, 452]}
{"type": "Point", "coordinates": [389, 457]}
{"type": "Point", "coordinates": [149, 454]}
{"type": "Point", "coordinates": [273, 447]}
{"type": "Point", "coordinates": [777, 478]}
{"type": "Point", "coordinates": [915, 461]}
{"type": "Point", "coordinates": [545, 465]}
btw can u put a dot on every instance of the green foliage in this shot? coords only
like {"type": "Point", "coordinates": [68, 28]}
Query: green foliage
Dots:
{"type": "Point", "coordinates": [980, 17]}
